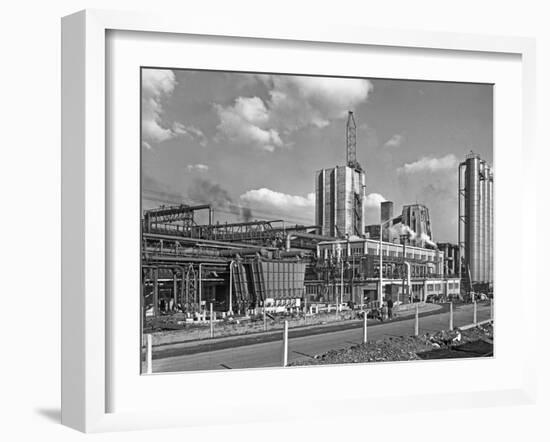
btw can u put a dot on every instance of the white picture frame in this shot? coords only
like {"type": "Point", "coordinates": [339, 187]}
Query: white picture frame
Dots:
{"type": "Point", "coordinates": [86, 316]}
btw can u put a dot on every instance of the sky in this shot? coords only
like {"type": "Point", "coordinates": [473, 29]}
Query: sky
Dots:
{"type": "Point", "coordinates": [250, 143]}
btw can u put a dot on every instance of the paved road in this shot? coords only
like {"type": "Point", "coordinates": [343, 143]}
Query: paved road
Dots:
{"type": "Point", "coordinates": [269, 354]}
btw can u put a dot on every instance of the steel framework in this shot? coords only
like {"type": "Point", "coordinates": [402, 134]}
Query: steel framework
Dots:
{"type": "Point", "coordinates": [351, 143]}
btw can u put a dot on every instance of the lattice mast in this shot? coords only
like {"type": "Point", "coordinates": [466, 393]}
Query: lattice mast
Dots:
{"type": "Point", "coordinates": [351, 142]}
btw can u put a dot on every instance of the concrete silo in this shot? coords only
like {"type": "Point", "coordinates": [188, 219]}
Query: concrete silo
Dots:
{"type": "Point", "coordinates": [475, 227]}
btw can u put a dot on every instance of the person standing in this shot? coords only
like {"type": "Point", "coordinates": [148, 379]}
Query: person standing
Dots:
{"type": "Point", "coordinates": [384, 311]}
{"type": "Point", "coordinates": [390, 309]}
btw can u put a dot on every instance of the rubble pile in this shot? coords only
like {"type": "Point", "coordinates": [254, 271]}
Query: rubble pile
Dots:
{"type": "Point", "coordinates": [404, 348]}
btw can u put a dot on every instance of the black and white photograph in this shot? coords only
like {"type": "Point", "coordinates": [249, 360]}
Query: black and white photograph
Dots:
{"type": "Point", "coordinates": [232, 221]}
{"type": "Point", "coordinates": [292, 220]}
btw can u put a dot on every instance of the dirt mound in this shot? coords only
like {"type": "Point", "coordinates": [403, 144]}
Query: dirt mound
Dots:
{"type": "Point", "coordinates": [404, 348]}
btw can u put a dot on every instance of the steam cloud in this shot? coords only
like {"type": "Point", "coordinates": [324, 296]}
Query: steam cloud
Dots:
{"type": "Point", "coordinates": [206, 192]}
{"type": "Point", "coordinates": [403, 229]}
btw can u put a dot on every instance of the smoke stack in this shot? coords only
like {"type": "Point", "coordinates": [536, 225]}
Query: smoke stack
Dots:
{"type": "Point", "coordinates": [386, 211]}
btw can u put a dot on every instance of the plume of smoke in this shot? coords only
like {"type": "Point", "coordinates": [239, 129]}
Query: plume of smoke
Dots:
{"type": "Point", "coordinates": [428, 240]}
{"type": "Point", "coordinates": [403, 229]}
{"type": "Point", "coordinates": [155, 191]}
{"type": "Point", "coordinates": [205, 191]}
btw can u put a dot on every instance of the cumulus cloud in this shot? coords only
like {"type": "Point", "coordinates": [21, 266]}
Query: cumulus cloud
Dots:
{"type": "Point", "coordinates": [373, 200]}
{"type": "Point", "coordinates": [294, 102]}
{"type": "Point", "coordinates": [427, 164]}
{"type": "Point", "coordinates": [372, 208]}
{"type": "Point", "coordinates": [191, 132]}
{"type": "Point", "coordinates": [197, 167]}
{"type": "Point", "coordinates": [157, 85]}
{"type": "Point", "coordinates": [433, 182]}
{"type": "Point", "coordinates": [293, 207]}
{"type": "Point", "coordinates": [395, 141]}
{"type": "Point", "coordinates": [246, 122]}
{"type": "Point", "coordinates": [297, 102]}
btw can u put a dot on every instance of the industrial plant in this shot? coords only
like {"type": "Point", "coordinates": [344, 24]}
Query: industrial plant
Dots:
{"type": "Point", "coordinates": [242, 269]}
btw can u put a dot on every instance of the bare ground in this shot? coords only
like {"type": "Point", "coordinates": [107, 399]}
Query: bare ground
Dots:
{"type": "Point", "coordinates": [404, 348]}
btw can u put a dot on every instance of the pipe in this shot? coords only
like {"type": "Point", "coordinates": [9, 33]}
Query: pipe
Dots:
{"type": "Point", "coordinates": [292, 254]}
{"type": "Point", "coordinates": [408, 265]}
{"type": "Point", "coordinates": [341, 285]}
{"type": "Point", "coordinates": [246, 251]}
{"type": "Point", "coordinates": [380, 300]}
{"type": "Point", "coordinates": [306, 236]}
{"type": "Point", "coordinates": [164, 266]}
{"type": "Point", "coordinates": [155, 293]}
{"type": "Point", "coordinates": [200, 287]}
{"type": "Point", "coordinates": [229, 245]}
{"type": "Point", "coordinates": [230, 310]}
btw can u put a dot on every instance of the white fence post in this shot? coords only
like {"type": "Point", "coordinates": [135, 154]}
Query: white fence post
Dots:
{"type": "Point", "coordinates": [451, 327]}
{"type": "Point", "coordinates": [492, 309]}
{"type": "Point", "coordinates": [364, 327]}
{"type": "Point", "coordinates": [149, 353]}
{"type": "Point", "coordinates": [285, 345]}
{"type": "Point", "coordinates": [475, 312]}
{"type": "Point", "coordinates": [416, 321]}
{"type": "Point", "coordinates": [211, 320]}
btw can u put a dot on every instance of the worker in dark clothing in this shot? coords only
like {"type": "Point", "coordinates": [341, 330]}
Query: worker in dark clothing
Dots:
{"type": "Point", "coordinates": [390, 309]}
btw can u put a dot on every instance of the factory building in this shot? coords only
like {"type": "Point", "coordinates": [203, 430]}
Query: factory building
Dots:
{"type": "Point", "coordinates": [451, 263]}
{"type": "Point", "coordinates": [475, 227]}
{"type": "Point", "coordinates": [417, 218]}
{"type": "Point", "coordinates": [349, 270]}
{"type": "Point", "coordinates": [340, 193]}
{"type": "Point", "coordinates": [413, 221]}
{"type": "Point", "coordinates": [235, 267]}
{"type": "Point", "coordinates": [340, 201]}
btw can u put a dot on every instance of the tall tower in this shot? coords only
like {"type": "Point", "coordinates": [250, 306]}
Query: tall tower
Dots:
{"type": "Point", "coordinates": [351, 143]}
{"type": "Point", "coordinates": [340, 193]}
{"type": "Point", "coordinates": [417, 217]}
{"type": "Point", "coordinates": [475, 213]}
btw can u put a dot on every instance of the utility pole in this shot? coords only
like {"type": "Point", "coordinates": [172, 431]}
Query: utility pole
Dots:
{"type": "Point", "coordinates": [230, 309]}
{"type": "Point", "coordinates": [341, 285]}
{"type": "Point", "coordinates": [404, 241]}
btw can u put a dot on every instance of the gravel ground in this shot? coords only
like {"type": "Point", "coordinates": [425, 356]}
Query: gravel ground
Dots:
{"type": "Point", "coordinates": [404, 348]}
{"type": "Point", "coordinates": [173, 327]}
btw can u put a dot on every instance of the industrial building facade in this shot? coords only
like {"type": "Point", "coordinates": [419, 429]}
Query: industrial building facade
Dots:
{"type": "Point", "coordinates": [349, 270]}
{"type": "Point", "coordinates": [340, 201]}
{"type": "Point", "coordinates": [417, 218]}
{"type": "Point", "coordinates": [340, 193]}
{"type": "Point", "coordinates": [414, 222]}
{"type": "Point", "coordinates": [475, 229]}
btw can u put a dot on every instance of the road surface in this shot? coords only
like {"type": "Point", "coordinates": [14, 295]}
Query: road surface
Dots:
{"type": "Point", "coordinates": [269, 354]}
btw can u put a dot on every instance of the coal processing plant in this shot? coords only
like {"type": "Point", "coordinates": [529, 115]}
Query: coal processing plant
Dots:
{"type": "Point", "coordinates": [244, 268]}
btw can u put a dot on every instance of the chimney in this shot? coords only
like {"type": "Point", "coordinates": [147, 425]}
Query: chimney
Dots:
{"type": "Point", "coordinates": [386, 211]}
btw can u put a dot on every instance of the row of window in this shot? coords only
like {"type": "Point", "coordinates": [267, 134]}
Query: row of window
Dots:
{"type": "Point", "coordinates": [438, 287]}
{"type": "Point", "coordinates": [358, 251]}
